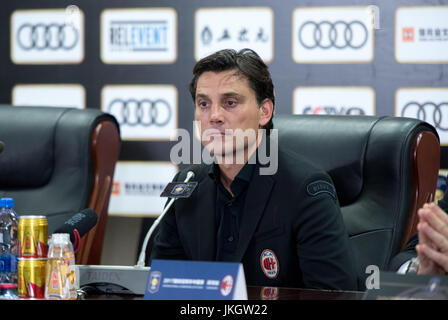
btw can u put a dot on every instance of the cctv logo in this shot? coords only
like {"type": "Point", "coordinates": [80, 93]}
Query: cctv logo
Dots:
{"type": "Point", "coordinates": [334, 101]}
{"type": "Point", "coordinates": [144, 112]}
{"type": "Point", "coordinates": [333, 110]}
{"type": "Point", "coordinates": [333, 34]}
{"type": "Point", "coordinates": [49, 31]}
{"type": "Point", "coordinates": [144, 35]}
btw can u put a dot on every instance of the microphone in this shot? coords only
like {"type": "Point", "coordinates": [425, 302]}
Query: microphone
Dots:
{"type": "Point", "coordinates": [78, 225]}
{"type": "Point", "coordinates": [2, 146]}
{"type": "Point", "coordinates": [133, 279]}
{"type": "Point", "coordinates": [192, 172]}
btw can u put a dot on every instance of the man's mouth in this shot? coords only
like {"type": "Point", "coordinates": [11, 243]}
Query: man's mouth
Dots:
{"type": "Point", "coordinates": [214, 133]}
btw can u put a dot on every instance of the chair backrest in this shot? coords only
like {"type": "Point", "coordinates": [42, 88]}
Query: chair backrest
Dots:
{"type": "Point", "coordinates": [58, 161]}
{"type": "Point", "coordinates": [384, 169]}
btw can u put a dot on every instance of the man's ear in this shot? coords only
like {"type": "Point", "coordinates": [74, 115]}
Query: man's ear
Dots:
{"type": "Point", "coordinates": [266, 109]}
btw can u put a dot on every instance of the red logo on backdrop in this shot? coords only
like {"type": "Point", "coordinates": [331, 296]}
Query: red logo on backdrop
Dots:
{"type": "Point", "coordinates": [226, 285]}
{"type": "Point", "coordinates": [269, 264]}
{"type": "Point", "coordinates": [116, 188]}
{"type": "Point", "coordinates": [408, 34]}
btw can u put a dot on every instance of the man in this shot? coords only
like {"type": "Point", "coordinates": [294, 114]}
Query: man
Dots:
{"type": "Point", "coordinates": [286, 228]}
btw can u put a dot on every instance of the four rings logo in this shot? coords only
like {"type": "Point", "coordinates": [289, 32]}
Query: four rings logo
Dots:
{"type": "Point", "coordinates": [47, 36]}
{"type": "Point", "coordinates": [145, 112]}
{"type": "Point", "coordinates": [436, 113]}
{"type": "Point", "coordinates": [333, 34]}
{"type": "Point", "coordinates": [42, 36]}
{"type": "Point", "coordinates": [339, 34]}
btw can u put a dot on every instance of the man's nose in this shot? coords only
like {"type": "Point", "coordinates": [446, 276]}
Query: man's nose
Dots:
{"type": "Point", "coordinates": [216, 114]}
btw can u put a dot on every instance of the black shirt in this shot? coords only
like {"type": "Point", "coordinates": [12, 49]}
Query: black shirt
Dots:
{"type": "Point", "coordinates": [229, 210]}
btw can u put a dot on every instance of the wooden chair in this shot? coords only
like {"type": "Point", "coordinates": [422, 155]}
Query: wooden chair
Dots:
{"type": "Point", "coordinates": [58, 161]}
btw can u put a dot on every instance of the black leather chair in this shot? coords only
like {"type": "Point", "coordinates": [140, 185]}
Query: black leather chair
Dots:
{"type": "Point", "coordinates": [384, 169]}
{"type": "Point", "coordinates": [58, 161]}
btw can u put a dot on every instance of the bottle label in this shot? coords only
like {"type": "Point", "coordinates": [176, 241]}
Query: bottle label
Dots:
{"type": "Point", "coordinates": [5, 264]}
{"type": "Point", "coordinates": [14, 262]}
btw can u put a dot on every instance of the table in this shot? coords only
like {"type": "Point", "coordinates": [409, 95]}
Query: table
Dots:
{"type": "Point", "coordinates": [262, 293]}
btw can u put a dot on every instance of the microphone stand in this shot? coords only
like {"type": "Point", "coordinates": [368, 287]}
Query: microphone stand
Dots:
{"type": "Point", "coordinates": [141, 259]}
{"type": "Point", "coordinates": [121, 279]}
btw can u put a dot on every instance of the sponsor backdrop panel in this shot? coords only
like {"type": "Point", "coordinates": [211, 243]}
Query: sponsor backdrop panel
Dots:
{"type": "Point", "coordinates": [234, 27]}
{"type": "Point", "coordinates": [33, 31]}
{"type": "Point", "coordinates": [333, 34]}
{"type": "Point", "coordinates": [51, 95]}
{"type": "Point", "coordinates": [137, 188]}
{"type": "Point", "coordinates": [145, 112]}
{"type": "Point", "coordinates": [428, 104]}
{"type": "Point", "coordinates": [134, 59]}
{"type": "Point", "coordinates": [334, 100]}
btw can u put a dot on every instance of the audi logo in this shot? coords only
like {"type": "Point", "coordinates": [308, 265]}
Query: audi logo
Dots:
{"type": "Point", "coordinates": [330, 110]}
{"type": "Point", "coordinates": [339, 34]}
{"type": "Point", "coordinates": [47, 36]}
{"type": "Point", "coordinates": [422, 111]}
{"type": "Point", "coordinates": [145, 112]}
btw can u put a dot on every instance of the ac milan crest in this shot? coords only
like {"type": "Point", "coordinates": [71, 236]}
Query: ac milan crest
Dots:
{"type": "Point", "coordinates": [226, 285]}
{"type": "Point", "coordinates": [269, 264]}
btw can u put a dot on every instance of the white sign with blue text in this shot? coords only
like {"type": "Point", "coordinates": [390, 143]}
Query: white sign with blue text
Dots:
{"type": "Point", "coordinates": [195, 280]}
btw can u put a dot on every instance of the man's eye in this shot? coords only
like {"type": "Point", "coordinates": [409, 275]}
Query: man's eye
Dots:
{"type": "Point", "coordinates": [230, 103]}
{"type": "Point", "coordinates": [203, 104]}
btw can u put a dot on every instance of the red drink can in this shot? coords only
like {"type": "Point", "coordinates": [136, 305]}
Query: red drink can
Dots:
{"type": "Point", "coordinates": [33, 236]}
{"type": "Point", "coordinates": [31, 278]}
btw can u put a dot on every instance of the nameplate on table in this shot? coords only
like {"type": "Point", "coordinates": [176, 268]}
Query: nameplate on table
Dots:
{"type": "Point", "coordinates": [394, 286]}
{"type": "Point", "coordinates": [195, 280]}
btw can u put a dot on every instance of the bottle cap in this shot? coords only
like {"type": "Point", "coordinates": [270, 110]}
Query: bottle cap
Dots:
{"type": "Point", "coordinates": [60, 238]}
{"type": "Point", "coordinates": [9, 202]}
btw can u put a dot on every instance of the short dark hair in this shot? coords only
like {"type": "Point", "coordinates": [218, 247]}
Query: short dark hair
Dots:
{"type": "Point", "coordinates": [248, 63]}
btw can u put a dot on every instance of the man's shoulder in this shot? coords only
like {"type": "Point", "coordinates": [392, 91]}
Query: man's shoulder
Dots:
{"type": "Point", "coordinates": [294, 169]}
{"type": "Point", "coordinates": [296, 164]}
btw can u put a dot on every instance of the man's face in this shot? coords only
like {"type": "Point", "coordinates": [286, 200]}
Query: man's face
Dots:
{"type": "Point", "coordinates": [225, 103]}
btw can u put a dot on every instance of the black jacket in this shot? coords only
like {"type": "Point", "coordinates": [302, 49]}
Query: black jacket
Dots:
{"type": "Point", "coordinates": [292, 216]}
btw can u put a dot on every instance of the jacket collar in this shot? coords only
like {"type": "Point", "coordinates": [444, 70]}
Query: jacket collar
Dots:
{"type": "Point", "coordinates": [258, 193]}
{"type": "Point", "coordinates": [257, 197]}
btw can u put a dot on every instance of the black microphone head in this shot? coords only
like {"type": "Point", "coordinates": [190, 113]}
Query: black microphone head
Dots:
{"type": "Point", "coordinates": [82, 221]}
